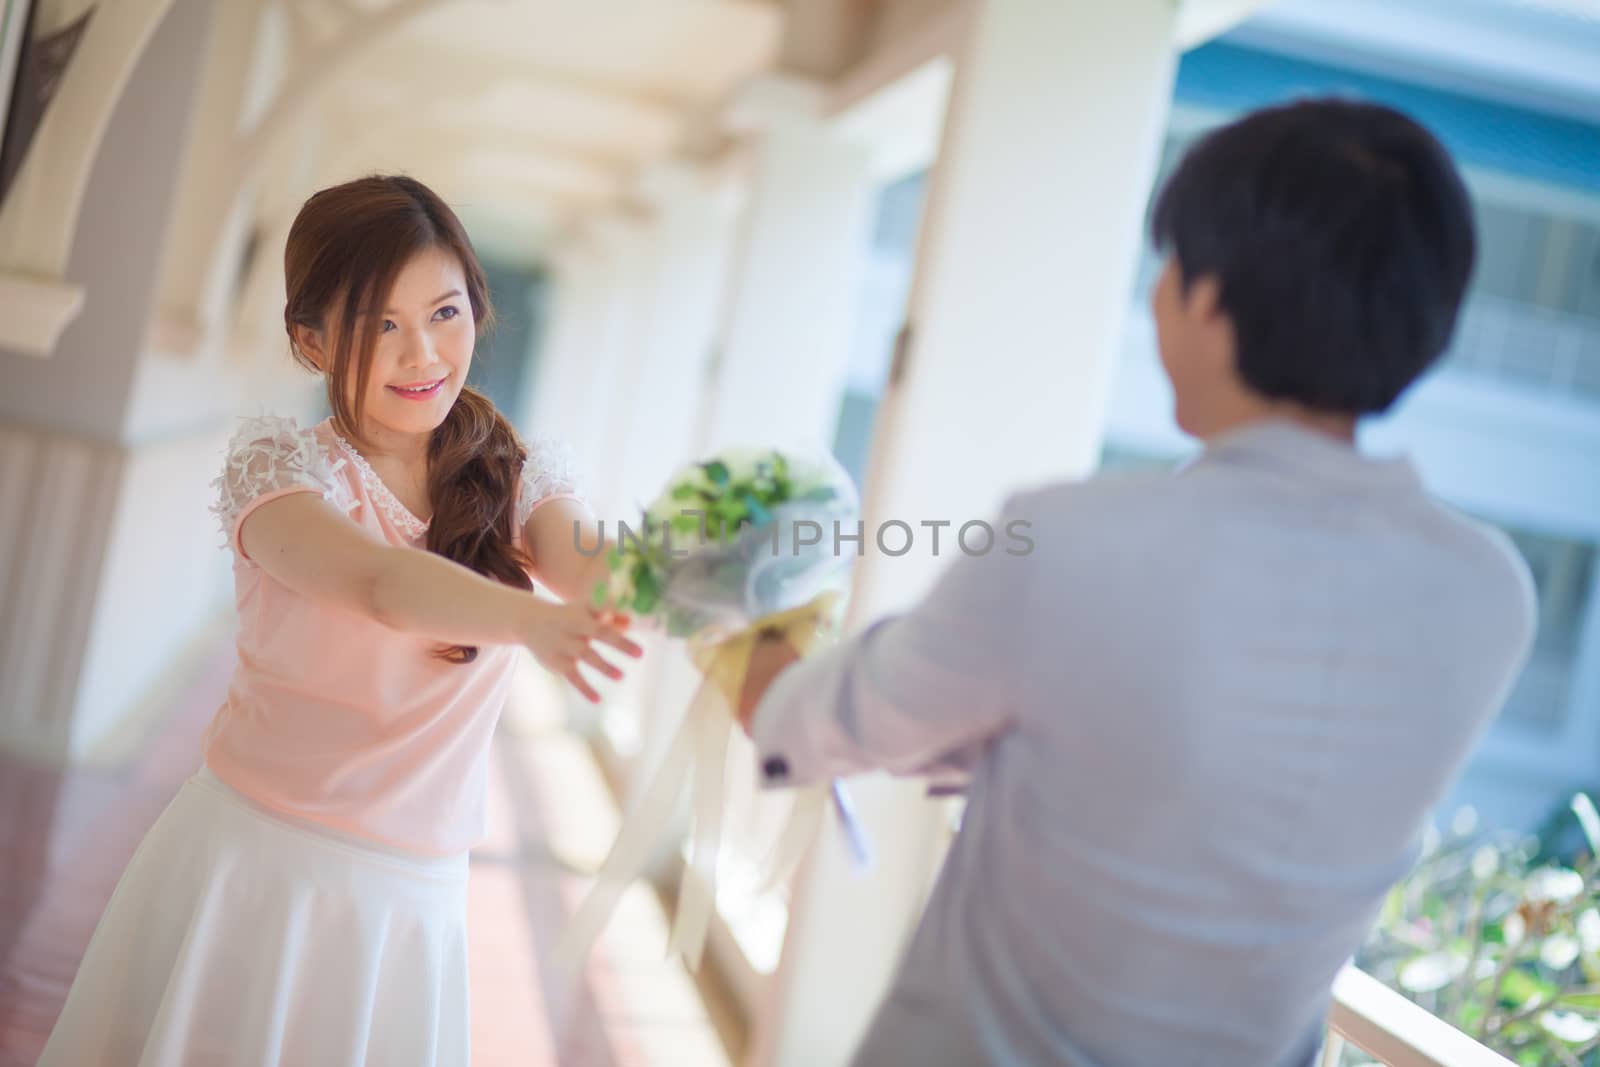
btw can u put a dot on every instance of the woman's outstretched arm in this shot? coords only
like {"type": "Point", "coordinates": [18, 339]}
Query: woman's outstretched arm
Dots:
{"type": "Point", "coordinates": [569, 557]}
{"type": "Point", "coordinates": [309, 547]}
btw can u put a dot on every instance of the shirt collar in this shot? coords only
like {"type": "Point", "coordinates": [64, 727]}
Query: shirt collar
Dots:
{"type": "Point", "coordinates": [1287, 447]}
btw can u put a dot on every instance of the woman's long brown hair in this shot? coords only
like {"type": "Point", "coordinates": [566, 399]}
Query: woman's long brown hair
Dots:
{"type": "Point", "coordinates": [348, 245]}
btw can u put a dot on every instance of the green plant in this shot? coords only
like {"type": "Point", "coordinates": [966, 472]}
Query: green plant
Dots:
{"type": "Point", "coordinates": [1500, 943]}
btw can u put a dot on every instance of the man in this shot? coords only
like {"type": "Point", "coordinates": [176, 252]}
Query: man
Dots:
{"type": "Point", "coordinates": [1206, 719]}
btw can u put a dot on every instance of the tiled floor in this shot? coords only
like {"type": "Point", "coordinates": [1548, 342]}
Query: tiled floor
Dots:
{"type": "Point", "coordinates": [64, 839]}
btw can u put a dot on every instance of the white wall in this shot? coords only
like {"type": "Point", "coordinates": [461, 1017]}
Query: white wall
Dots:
{"type": "Point", "coordinates": [162, 582]}
{"type": "Point", "coordinates": [108, 557]}
{"type": "Point", "coordinates": [56, 497]}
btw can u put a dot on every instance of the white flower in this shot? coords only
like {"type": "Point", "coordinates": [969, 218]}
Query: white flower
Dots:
{"type": "Point", "coordinates": [1432, 972]}
{"type": "Point", "coordinates": [1485, 862]}
{"type": "Point", "coordinates": [1465, 822]}
{"type": "Point", "coordinates": [1515, 929]}
{"type": "Point", "coordinates": [1555, 884]}
{"type": "Point", "coordinates": [1569, 1026]}
{"type": "Point", "coordinates": [1589, 930]}
{"type": "Point", "coordinates": [1559, 951]}
{"type": "Point", "coordinates": [683, 491]}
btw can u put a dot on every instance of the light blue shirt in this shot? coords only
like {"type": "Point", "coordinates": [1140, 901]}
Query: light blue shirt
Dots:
{"type": "Point", "coordinates": [1206, 720]}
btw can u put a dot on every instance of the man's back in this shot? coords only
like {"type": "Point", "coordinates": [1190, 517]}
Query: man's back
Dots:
{"type": "Point", "coordinates": [1246, 688]}
{"type": "Point", "coordinates": [1208, 715]}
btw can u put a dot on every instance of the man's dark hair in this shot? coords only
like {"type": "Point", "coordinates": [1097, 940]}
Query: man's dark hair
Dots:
{"type": "Point", "coordinates": [1342, 236]}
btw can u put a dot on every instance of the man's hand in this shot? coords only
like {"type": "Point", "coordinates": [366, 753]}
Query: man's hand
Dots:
{"type": "Point", "coordinates": [768, 659]}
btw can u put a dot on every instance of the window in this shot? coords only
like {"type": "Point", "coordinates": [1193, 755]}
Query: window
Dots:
{"type": "Point", "coordinates": [1120, 459]}
{"type": "Point", "coordinates": [1533, 313]}
{"type": "Point", "coordinates": [887, 285]}
{"type": "Point", "coordinates": [1564, 574]}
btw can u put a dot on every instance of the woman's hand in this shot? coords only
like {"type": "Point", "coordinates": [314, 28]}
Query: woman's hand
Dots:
{"type": "Point", "coordinates": [561, 636]}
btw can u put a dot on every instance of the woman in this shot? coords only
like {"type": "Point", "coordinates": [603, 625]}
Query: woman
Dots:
{"type": "Point", "coordinates": [302, 900]}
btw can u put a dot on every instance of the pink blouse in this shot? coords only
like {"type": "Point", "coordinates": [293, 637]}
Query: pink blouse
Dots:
{"type": "Point", "coordinates": [332, 717]}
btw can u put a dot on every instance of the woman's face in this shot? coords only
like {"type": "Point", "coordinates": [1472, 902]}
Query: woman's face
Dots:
{"type": "Point", "coordinates": [423, 348]}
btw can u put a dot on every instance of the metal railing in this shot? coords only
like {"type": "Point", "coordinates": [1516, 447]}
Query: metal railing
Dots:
{"type": "Point", "coordinates": [1369, 1016]}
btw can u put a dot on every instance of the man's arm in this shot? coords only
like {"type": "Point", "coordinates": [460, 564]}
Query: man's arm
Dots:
{"type": "Point", "coordinates": [905, 695]}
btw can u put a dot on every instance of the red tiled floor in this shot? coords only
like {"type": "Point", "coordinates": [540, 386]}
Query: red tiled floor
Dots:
{"type": "Point", "coordinates": [67, 836]}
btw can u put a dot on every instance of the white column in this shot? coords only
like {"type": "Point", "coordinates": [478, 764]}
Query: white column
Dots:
{"type": "Point", "coordinates": [548, 405]}
{"type": "Point", "coordinates": [659, 399]}
{"type": "Point", "coordinates": [599, 318]}
{"type": "Point", "coordinates": [91, 516]}
{"type": "Point", "coordinates": [786, 341]}
{"type": "Point", "coordinates": [1024, 273]}
{"type": "Point", "coordinates": [199, 263]}
{"type": "Point", "coordinates": [1032, 231]}
{"type": "Point", "coordinates": [660, 395]}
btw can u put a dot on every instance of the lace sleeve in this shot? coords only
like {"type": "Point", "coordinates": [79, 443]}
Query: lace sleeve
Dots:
{"type": "Point", "coordinates": [267, 458]}
{"type": "Point", "coordinates": [548, 474]}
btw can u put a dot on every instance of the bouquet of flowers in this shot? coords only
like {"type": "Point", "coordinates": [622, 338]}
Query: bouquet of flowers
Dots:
{"type": "Point", "coordinates": [736, 548]}
{"type": "Point", "coordinates": [731, 540]}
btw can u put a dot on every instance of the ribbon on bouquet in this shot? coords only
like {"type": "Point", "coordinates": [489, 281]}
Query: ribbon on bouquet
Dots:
{"type": "Point", "coordinates": [696, 764]}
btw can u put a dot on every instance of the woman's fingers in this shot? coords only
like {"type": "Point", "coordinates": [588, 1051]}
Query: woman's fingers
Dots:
{"type": "Point", "coordinates": [588, 624]}
{"type": "Point", "coordinates": [581, 684]}
{"type": "Point", "coordinates": [595, 660]}
{"type": "Point", "coordinates": [573, 647]}
{"type": "Point", "coordinates": [616, 640]}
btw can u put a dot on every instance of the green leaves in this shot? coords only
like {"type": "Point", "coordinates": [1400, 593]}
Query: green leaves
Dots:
{"type": "Point", "coordinates": [1500, 944]}
{"type": "Point", "coordinates": [1521, 987]}
{"type": "Point", "coordinates": [757, 514]}
{"type": "Point", "coordinates": [717, 471]}
{"type": "Point", "coordinates": [646, 588]}
{"type": "Point", "coordinates": [1588, 1003]}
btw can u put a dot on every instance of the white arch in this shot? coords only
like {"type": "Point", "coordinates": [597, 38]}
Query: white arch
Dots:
{"type": "Point", "coordinates": [224, 167]}
{"type": "Point", "coordinates": [40, 215]}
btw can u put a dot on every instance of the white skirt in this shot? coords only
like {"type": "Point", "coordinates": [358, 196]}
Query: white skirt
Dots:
{"type": "Point", "coordinates": [236, 937]}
